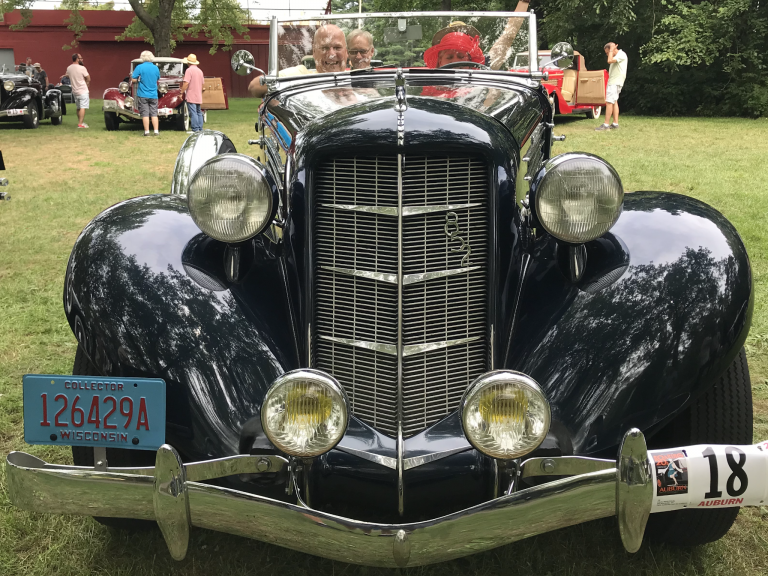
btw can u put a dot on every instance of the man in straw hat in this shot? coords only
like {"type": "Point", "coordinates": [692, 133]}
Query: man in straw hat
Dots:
{"type": "Point", "coordinates": [192, 90]}
{"type": "Point", "coordinates": [40, 75]}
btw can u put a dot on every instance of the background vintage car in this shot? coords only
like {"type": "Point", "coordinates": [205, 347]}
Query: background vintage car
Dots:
{"type": "Point", "coordinates": [400, 248]}
{"type": "Point", "coordinates": [574, 89]}
{"type": "Point", "coordinates": [26, 100]}
{"type": "Point", "coordinates": [120, 103]}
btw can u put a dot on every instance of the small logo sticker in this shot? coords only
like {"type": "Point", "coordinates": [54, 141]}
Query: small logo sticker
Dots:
{"type": "Point", "coordinates": [671, 473]}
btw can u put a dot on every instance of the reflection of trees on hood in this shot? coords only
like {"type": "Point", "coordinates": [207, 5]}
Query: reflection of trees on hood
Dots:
{"type": "Point", "coordinates": [656, 317]}
{"type": "Point", "coordinates": [168, 326]}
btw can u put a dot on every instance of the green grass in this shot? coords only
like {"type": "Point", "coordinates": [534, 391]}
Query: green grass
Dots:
{"type": "Point", "coordinates": [61, 177]}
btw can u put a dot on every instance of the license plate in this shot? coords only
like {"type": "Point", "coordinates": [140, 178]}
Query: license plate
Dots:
{"type": "Point", "coordinates": [17, 112]}
{"type": "Point", "coordinates": [165, 111]}
{"type": "Point", "coordinates": [92, 411]}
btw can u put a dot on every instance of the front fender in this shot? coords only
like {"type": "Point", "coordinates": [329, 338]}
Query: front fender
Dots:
{"type": "Point", "coordinates": [20, 98]}
{"type": "Point", "coordinates": [146, 295]}
{"type": "Point", "coordinates": [647, 330]}
{"type": "Point", "coordinates": [171, 99]}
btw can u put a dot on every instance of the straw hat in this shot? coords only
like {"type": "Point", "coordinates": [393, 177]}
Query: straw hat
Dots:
{"type": "Point", "coordinates": [36, 65]}
{"type": "Point", "coordinates": [455, 27]}
{"type": "Point", "coordinates": [192, 59]}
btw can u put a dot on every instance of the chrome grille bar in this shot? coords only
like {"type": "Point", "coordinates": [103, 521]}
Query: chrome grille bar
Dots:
{"type": "Point", "coordinates": [398, 319]}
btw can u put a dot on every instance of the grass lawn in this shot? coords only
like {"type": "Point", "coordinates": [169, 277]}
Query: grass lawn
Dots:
{"type": "Point", "coordinates": [61, 177]}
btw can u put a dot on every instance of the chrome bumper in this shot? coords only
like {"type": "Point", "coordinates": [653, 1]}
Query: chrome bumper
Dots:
{"type": "Point", "coordinates": [172, 494]}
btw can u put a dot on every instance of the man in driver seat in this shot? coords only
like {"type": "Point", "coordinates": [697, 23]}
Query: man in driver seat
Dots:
{"type": "Point", "coordinates": [458, 42]}
{"type": "Point", "coordinates": [329, 49]}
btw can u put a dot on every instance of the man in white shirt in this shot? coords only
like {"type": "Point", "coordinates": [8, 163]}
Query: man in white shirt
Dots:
{"type": "Point", "coordinates": [329, 49]}
{"type": "Point", "coordinates": [617, 73]}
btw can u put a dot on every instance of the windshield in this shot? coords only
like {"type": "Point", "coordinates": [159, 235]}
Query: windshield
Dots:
{"type": "Point", "coordinates": [336, 45]}
{"type": "Point", "coordinates": [166, 68]}
{"type": "Point", "coordinates": [521, 60]}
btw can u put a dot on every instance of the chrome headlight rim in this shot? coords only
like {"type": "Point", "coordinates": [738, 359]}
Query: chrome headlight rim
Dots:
{"type": "Point", "coordinates": [128, 102]}
{"type": "Point", "coordinates": [162, 88]}
{"type": "Point", "coordinates": [497, 377]}
{"type": "Point", "coordinates": [263, 173]}
{"type": "Point", "coordinates": [124, 87]}
{"type": "Point", "coordinates": [549, 168]}
{"type": "Point", "coordinates": [9, 85]}
{"type": "Point", "coordinates": [317, 376]}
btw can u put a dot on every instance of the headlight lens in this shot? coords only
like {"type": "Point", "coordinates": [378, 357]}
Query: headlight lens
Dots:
{"type": "Point", "coordinates": [231, 198]}
{"type": "Point", "coordinates": [9, 85]}
{"type": "Point", "coordinates": [579, 197]}
{"type": "Point", "coordinates": [505, 414]}
{"type": "Point", "coordinates": [124, 87]}
{"type": "Point", "coordinates": [128, 102]}
{"type": "Point", "coordinates": [162, 88]}
{"type": "Point", "coordinates": [305, 413]}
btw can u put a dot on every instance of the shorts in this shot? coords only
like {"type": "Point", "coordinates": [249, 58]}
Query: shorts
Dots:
{"type": "Point", "coordinates": [147, 107]}
{"type": "Point", "coordinates": [82, 101]}
{"type": "Point", "coordinates": [612, 93]}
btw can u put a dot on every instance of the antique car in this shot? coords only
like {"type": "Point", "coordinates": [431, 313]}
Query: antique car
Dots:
{"type": "Point", "coordinates": [120, 103]}
{"type": "Point", "coordinates": [24, 99]}
{"type": "Point", "coordinates": [403, 329]}
{"type": "Point", "coordinates": [3, 181]}
{"type": "Point", "coordinates": [574, 89]}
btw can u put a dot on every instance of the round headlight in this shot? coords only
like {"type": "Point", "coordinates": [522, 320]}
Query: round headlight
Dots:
{"type": "Point", "coordinates": [578, 196]}
{"type": "Point", "coordinates": [305, 413]}
{"type": "Point", "coordinates": [232, 198]}
{"type": "Point", "coordinates": [9, 85]}
{"type": "Point", "coordinates": [128, 102]}
{"type": "Point", "coordinates": [162, 88]}
{"type": "Point", "coordinates": [124, 87]}
{"type": "Point", "coordinates": [505, 414]}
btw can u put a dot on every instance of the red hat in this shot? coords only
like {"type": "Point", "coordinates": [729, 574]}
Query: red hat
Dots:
{"type": "Point", "coordinates": [455, 41]}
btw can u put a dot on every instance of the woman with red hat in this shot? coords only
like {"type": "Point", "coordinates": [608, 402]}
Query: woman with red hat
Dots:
{"type": "Point", "coordinates": [458, 42]}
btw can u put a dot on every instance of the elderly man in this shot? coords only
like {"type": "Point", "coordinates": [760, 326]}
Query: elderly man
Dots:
{"type": "Point", "coordinates": [360, 48]}
{"type": "Point", "coordinates": [329, 49]}
{"type": "Point", "coordinates": [146, 75]}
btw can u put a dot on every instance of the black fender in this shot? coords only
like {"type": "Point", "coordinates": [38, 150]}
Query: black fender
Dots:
{"type": "Point", "coordinates": [147, 296]}
{"type": "Point", "coordinates": [21, 97]}
{"type": "Point", "coordinates": [663, 309]}
{"type": "Point", "coordinates": [51, 96]}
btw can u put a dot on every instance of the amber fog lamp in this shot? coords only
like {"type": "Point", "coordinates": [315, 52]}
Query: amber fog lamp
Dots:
{"type": "Point", "coordinates": [124, 87]}
{"type": "Point", "coordinates": [305, 413]}
{"type": "Point", "coordinates": [232, 198]}
{"type": "Point", "coordinates": [162, 88]}
{"type": "Point", "coordinates": [9, 85]}
{"type": "Point", "coordinates": [578, 197]}
{"type": "Point", "coordinates": [505, 414]}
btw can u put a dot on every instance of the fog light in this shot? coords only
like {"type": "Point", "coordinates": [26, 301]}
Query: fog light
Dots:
{"type": "Point", "coordinates": [162, 88]}
{"type": "Point", "coordinates": [505, 414]}
{"type": "Point", "coordinates": [305, 413]}
{"type": "Point", "coordinates": [128, 102]}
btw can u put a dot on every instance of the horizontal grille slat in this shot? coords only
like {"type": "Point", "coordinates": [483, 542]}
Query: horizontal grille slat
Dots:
{"type": "Point", "coordinates": [356, 235]}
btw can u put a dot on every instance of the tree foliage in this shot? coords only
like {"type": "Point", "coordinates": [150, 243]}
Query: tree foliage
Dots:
{"type": "Point", "coordinates": [704, 57]}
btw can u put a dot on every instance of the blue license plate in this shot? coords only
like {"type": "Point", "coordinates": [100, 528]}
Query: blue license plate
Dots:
{"type": "Point", "coordinates": [92, 411]}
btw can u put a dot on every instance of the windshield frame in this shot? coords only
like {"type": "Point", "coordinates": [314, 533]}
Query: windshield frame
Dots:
{"type": "Point", "coordinates": [275, 23]}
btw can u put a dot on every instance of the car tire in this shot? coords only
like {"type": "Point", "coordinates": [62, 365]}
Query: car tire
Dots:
{"type": "Point", "coordinates": [83, 455]}
{"type": "Point", "coordinates": [722, 415]}
{"type": "Point", "coordinates": [182, 120]}
{"type": "Point", "coordinates": [110, 121]}
{"type": "Point", "coordinates": [32, 117]}
{"type": "Point", "coordinates": [595, 112]}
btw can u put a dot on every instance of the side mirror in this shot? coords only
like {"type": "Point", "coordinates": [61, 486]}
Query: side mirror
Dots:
{"type": "Point", "coordinates": [243, 63]}
{"type": "Point", "coordinates": [562, 55]}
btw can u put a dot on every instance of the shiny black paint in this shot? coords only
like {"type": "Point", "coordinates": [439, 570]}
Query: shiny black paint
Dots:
{"type": "Point", "coordinates": [26, 91]}
{"type": "Point", "coordinates": [663, 307]}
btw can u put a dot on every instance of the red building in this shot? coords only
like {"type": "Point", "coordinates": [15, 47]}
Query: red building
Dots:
{"type": "Point", "coordinates": [107, 60]}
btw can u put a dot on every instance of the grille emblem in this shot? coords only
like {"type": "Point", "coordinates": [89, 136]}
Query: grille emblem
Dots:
{"type": "Point", "coordinates": [452, 231]}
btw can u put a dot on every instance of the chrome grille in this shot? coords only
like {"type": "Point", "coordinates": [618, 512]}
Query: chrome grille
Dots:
{"type": "Point", "coordinates": [444, 307]}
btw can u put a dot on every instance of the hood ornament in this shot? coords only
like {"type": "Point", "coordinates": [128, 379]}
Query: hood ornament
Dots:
{"type": "Point", "coordinates": [401, 105]}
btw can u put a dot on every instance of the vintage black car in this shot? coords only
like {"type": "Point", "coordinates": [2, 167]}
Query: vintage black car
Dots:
{"type": "Point", "coordinates": [409, 331]}
{"type": "Point", "coordinates": [24, 99]}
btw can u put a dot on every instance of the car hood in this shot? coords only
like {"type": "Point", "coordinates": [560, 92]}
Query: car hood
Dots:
{"type": "Point", "coordinates": [518, 107]}
{"type": "Point", "coordinates": [15, 77]}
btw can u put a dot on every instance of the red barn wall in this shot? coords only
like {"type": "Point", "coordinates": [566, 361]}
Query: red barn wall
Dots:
{"type": "Point", "coordinates": [107, 60]}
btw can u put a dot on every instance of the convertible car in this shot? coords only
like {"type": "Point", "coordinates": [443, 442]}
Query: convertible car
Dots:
{"type": "Point", "coordinates": [24, 99]}
{"type": "Point", "coordinates": [403, 329]}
